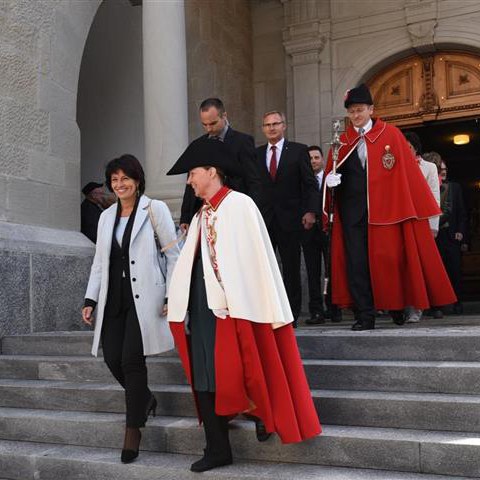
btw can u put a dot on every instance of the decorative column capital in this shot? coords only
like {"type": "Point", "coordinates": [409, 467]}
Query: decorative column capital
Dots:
{"type": "Point", "coordinates": [421, 19]}
{"type": "Point", "coordinates": [306, 42]}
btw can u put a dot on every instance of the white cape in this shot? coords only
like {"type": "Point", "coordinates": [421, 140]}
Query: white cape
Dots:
{"type": "Point", "coordinates": [251, 286]}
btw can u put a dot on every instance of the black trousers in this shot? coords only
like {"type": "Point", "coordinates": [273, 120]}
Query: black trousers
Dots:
{"type": "Point", "coordinates": [358, 269]}
{"type": "Point", "coordinates": [452, 259]}
{"type": "Point", "coordinates": [123, 353]}
{"type": "Point", "coordinates": [215, 426]}
{"type": "Point", "coordinates": [315, 247]}
{"type": "Point", "coordinates": [288, 244]}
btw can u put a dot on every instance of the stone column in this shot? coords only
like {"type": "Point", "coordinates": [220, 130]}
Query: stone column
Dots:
{"type": "Point", "coordinates": [306, 40]}
{"type": "Point", "coordinates": [165, 94]}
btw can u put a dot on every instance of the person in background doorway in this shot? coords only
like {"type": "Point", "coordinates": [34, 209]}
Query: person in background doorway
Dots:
{"type": "Point", "coordinates": [95, 202]}
{"type": "Point", "coordinates": [314, 246]}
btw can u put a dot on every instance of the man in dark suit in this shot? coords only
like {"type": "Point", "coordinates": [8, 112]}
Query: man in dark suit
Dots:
{"type": "Point", "coordinates": [315, 246]}
{"type": "Point", "coordinates": [451, 234]}
{"type": "Point", "coordinates": [289, 199]}
{"type": "Point", "coordinates": [215, 123]}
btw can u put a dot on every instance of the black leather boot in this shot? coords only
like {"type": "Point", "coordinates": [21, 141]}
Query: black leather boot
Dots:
{"type": "Point", "coordinates": [218, 452]}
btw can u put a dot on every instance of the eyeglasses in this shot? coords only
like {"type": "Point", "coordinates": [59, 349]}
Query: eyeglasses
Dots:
{"type": "Point", "coordinates": [272, 125]}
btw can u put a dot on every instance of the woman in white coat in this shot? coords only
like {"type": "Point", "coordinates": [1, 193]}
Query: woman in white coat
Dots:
{"type": "Point", "coordinates": [129, 290]}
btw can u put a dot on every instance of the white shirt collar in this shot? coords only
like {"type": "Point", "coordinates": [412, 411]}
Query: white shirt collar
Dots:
{"type": "Point", "coordinates": [279, 145]}
{"type": "Point", "coordinates": [366, 128]}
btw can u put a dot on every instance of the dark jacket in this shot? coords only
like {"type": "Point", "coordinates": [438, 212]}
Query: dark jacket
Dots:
{"type": "Point", "coordinates": [90, 215]}
{"type": "Point", "coordinates": [454, 215]}
{"type": "Point", "coordinates": [294, 191]}
{"type": "Point", "coordinates": [243, 147]}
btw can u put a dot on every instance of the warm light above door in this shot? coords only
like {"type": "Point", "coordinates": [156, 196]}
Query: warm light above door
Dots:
{"type": "Point", "coordinates": [461, 139]}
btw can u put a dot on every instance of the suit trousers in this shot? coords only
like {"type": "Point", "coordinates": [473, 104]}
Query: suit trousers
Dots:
{"type": "Point", "coordinates": [452, 259]}
{"type": "Point", "coordinates": [123, 353]}
{"type": "Point", "coordinates": [358, 269]}
{"type": "Point", "coordinates": [313, 250]}
{"type": "Point", "coordinates": [315, 247]}
{"type": "Point", "coordinates": [288, 244]}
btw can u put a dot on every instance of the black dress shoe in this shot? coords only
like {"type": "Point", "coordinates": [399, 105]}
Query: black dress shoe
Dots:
{"type": "Point", "coordinates": [458, 308]}
{"type": "Point", "coordinates": [315, 319]}
{"type": "Point", "coordinates": [398, 317]}
{"type": "Point", "coordinates": [337, 316]}
{"type": "Point", "coordinates": [261, 431]}
{"type": "Point", "coordinates": [437, 313]}
{"type": "Point", "coordinates": [210, 461]}
{"type": "Point", "coordinates": [361, 325]}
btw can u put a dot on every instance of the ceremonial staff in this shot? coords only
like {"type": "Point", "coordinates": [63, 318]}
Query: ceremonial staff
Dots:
{"type": "Point", "coordinates": [336, 145]}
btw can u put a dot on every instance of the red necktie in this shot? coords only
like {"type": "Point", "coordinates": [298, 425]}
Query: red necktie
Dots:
{"type": "Point", "coordinates": [273, 163]}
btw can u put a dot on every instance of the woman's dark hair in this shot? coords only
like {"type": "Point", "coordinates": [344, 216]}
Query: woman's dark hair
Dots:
{"type": "Point", "coordinates": [132, 168]}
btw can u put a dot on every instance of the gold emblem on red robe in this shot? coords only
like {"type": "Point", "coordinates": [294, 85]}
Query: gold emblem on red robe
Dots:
{"type": "Point", "coordinates": [388, 159]}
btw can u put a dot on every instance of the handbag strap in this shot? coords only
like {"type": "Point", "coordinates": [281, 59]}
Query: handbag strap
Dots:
{"type": "Point", "coordinates": [155, 234]}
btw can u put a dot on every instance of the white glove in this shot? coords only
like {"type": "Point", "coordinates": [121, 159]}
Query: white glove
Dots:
{"type": "Point", "coordinates": [333, 180]}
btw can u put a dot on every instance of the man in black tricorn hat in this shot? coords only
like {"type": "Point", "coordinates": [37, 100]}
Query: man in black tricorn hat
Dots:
{"type": "Point", "coordinates": [230, 316]}
{"type": "Point", "coordinates": [383, 255]}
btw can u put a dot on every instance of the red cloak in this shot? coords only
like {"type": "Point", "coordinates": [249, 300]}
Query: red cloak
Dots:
{"type": "Point", "coordinates": [258, 370]}
{"type": "Point", "coordinates": [405, 266]}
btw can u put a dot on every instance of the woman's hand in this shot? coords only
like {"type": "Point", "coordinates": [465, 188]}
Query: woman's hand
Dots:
{"type": "Point", "coordinates": [87, 315]}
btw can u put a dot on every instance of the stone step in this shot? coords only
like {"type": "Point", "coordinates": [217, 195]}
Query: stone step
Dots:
{"type": "Point", "coordinates": [26, 460]}
{"type": "Point", "coordinates": [422, 411]}
{"type": "Point", "coordinates": [83, 369]}
{"type": "Point", "coordinates": [458, 344]}
{"type": "Point", "coordinates": [401, 376]}
{"type": "Point", "coordinates": [353, 447]}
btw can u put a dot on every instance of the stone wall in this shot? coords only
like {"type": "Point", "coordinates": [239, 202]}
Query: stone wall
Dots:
{"type": "Point", "coordinates": [269, 73]}
{"type": "Point", "coordinates": [44, 260]}
{"type": "Point", "coordinates": [219, 59]}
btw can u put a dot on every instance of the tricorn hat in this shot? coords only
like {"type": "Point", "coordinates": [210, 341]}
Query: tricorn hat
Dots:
{"type": "Point", "coordinates": [360, 94]}
{"type": "Point", "coordinates": [91, 186]}
{"type": "Point", "coordinates": [205, 152]}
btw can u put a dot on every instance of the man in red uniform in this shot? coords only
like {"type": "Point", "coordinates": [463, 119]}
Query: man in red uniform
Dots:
{"type": "Point", "coordinates": [236, 343]}
{"type": "Point", "coordinates": [383, 255]}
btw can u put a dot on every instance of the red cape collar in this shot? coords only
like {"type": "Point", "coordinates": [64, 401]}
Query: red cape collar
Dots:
{"type": "Point", "coordinates": [218, 198]}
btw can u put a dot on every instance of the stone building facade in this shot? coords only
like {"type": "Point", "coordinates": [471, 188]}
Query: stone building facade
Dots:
{"type": "Point", "coordinates": [83, 81]}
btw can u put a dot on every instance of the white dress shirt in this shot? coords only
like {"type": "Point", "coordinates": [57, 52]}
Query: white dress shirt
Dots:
{"type": "Point", "coordinates": [366, 128]}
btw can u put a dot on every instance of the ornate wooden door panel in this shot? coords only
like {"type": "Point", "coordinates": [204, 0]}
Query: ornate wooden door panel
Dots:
{"type": "Point", "coordinates": [430, 87]}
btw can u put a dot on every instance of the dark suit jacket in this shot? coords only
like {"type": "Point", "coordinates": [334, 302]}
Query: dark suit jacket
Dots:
{"type": "Point", "coordinates": [90, 215]}
{"type": "Point", "coordinates": [457, 215]}
{"type": "Point", "coordinates": [243, 147]}
{"type": "Point", "coordinates": [294, 191]}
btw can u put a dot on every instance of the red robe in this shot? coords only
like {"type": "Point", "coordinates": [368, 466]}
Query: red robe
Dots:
{"type": "Point", "coordinates": [405, 266]}
{"type": "Point", "coordinates": [258, 370]}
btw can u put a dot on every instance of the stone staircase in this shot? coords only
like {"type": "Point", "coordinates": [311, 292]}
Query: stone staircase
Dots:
{"type": "Point", "coordinates": [396, 404]}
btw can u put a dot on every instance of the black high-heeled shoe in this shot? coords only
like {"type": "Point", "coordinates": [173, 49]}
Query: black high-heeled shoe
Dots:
{"type": "Point", "coordinates": [151, 407]}
{"type": "Point", "coordinates": [131, 444]}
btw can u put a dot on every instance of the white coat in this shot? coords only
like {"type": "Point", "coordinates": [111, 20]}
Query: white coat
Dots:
{"type": "Point", "coordinates": [150, 285]}
{"type": "Point", "coordinates": [251, 286]}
